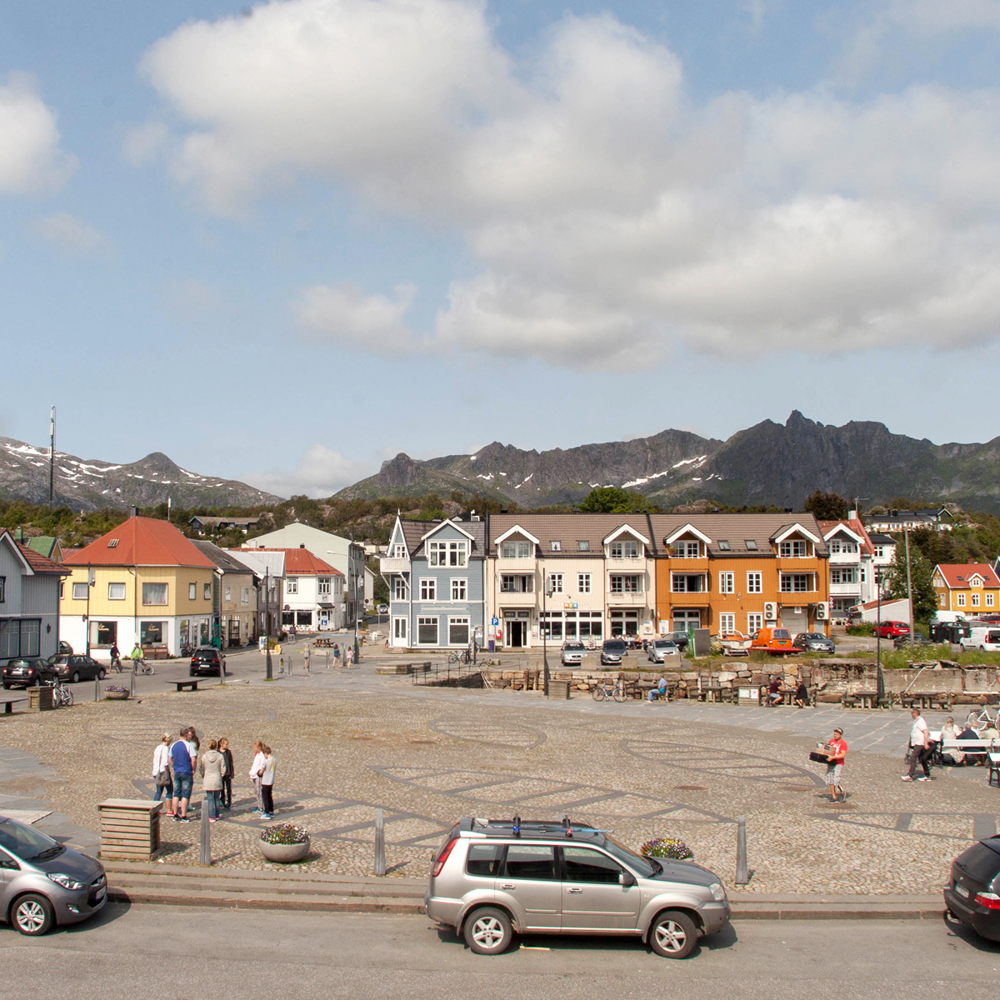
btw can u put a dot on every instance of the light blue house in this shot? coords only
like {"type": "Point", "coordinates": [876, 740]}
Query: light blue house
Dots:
{"type": "Point", "coordinates": [435, 571]}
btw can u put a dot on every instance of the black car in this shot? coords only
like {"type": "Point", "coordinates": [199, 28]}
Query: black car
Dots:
{"type": "Point", "coordinates": [679, 639]}
{"type": "Point", "coordinates": [207, 660]}
{"type": "Point", "coordinates": [77, 668]}
{"type": "Point", "coordinates": [911, 640]}
{"type": "Point", "coordinates": [23, 673]}
{"type": "Point", "coordinates": [814, 642]}
{"type": "Point", "coordinates": [972, 894]}
{"type": "Point", "coordinates": [612, 652]}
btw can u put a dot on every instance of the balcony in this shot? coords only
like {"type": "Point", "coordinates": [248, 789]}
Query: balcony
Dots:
{"type": "Point", "coordinates": [516, 565]}
{"type": "Point", "coordinates": [845, 558]}
{"type": "Point", "coordinates": [387, 565]}
{"type": "Point", "coordinates": [628, 599]}
{"type": "Point", "coordinates": [636, 565]}
{"type": "Point", "coordinates": [517, 599]}
{"type": "Point", "coordinates": [845, 589]}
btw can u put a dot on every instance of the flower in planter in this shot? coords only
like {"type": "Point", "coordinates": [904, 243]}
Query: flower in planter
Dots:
{"type": "Point", "coordinates": [284, 833]}
{"type": "Point", "coordinates": [666, 847]}
{"type": "Point", "coordinates": [116, 689]}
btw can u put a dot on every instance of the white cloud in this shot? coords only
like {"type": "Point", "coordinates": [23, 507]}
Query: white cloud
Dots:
{"type": "Point", "coordinates": [144, 143]}
{"type": "Point", "coordinates": [932, 16]}
{"type": "Point", "coordinates": [343, 313]}
{"type": "Point", "coordinates": [320, 473]}
{"type": "Point", "coordinates": [610, 214]}
{"type": "Point", "coordinates": [30, 158]}
{"type": "Point", "coordinates": [71, 233]}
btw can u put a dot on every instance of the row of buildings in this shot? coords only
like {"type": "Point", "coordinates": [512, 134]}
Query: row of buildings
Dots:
{"type": "Point", "coordinates": [518, 579]}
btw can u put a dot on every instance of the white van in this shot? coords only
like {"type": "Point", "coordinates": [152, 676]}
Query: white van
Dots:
{"type": "Point", "coordinates": [983, 637]}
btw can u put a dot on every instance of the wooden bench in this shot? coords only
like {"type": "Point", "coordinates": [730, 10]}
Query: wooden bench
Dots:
{"type": "Point", "coordinates": [926, 699]}
{"type": "Point", "coordinates": [8, 704]}
{"type": "Point", "coordinates": [986, 748]}
{"type": "Point", "coordinates": [155, 653]}
{"type": "Point", "coordinates": [186, 685]}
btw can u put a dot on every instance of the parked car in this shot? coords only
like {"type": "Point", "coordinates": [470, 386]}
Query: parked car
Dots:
{"type": "Point", "coordinates": [814, 642]}
{"type": "Point", "coordinates": [612, 652]}
{"type": "Point", "coordinates": [972, 893]}
{"type": "Point", "coordinates": [207, 660]}
{"type": "Point", "coordinates": [22, 673]}
{"type": "Point", "coordinates": [917, 639]}
{"type": "Point", "coordinates": [383, 609]}
{"type": "Point", "coordinates": [572, 653]}
{"type": "Point", "coordinates": [77, 668]}
{"type": "Point", "coordinates": [982, 637]}
{"type": "Point", "coordinates": [45, 883]}
{"type": "Point", "coordinates": [777, 641]}
{"type": "Point", "coordinates": [661, 650]}
{"type": "Point", "coordinates": [891, 630]}
{"type": "Point", "coordinates": [65, 648]}
{"type": "Point", "coordinates": [679, 639]}
{"type": "Point", "coordinates": [491, 879]}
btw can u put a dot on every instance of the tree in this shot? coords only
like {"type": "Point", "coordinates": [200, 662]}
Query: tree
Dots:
{"type": "Point", "coordinates": [613, 500]}
{"type": "Point", "coordinates": [925, 601]}
{"type": "Point", "coordinates": [826, 506]}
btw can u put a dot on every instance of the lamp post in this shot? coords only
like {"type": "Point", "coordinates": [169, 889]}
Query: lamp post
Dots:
{"type": "Point", "coordinates": [546, 593]}
{"type": "Point", "coordinates": [268, 669]}
{"type": "Point", "coordinates": [357, 618]}
{"type": "Point", "coordinates": [880, 677]}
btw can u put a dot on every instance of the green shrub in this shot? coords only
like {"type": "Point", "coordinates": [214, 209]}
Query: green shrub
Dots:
{"type": "Point", "coordinates": [862, 628]}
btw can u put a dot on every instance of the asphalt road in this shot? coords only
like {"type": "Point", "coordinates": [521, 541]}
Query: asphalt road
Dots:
{"type": "Point", "coordinates": [179, 953]}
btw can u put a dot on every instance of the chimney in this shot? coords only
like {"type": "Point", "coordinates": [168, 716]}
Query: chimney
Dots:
{"type": "Point", "coordinates": [852, 515]}
{"type": "Point", "coordinates": [302, 545]}
{"type": "Point", "coordinates": [135, 512]}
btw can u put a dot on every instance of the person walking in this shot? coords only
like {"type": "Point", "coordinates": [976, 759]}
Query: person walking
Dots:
{"type": "Point", "coordinates": [181, 765]}
{"type": "Point", "coordinates": [305, 658]}
{"type": "Point", "coordinates": [211, 767]}
{"type": "Point", "coordinates": [136, 657]}
{"type": "Point", "coordinates": [255, 768]}
{"type": "Point", "coordinates": [919, 749]}
{"type": "Point", "coordinates": [348, 656]}
{"type": "Point", "coordinates": [266, 774]}
{"type": "Point", "coordinates": [836, 748]}
{"type": "Point", "coordinates": [116, 657]}
{"type": "Point", "coordinates": [227, 777]}
{"type": "Point", "coordinates": [336, 654]}
{"type": "Point", "coordinates": [161, 772]}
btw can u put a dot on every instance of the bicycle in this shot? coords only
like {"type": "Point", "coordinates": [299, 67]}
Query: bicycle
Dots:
{"type": "Point", "coordinates": [142, 667]}
{"type": "Point", "coordinates": [116, 664]}
{"type": "Point", "coordinates": [976, 720]}
{"type": "Point", "coordinates": [462, 657]}
{"type": "Point", "coordinates": [605, 689]}
{"type": "Point", "coordinates": [61, 694]}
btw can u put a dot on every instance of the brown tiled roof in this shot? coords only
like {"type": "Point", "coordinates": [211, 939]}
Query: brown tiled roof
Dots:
{"type": "Point", "coordinates": [222, 559]}
{"type": "Point", "coordinates": [414, 531]}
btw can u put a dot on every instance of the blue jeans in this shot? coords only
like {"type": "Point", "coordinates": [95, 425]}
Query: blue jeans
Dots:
{"type": "Point", "coordinates": [182, 786]}
{"type": "Point", "coordinates": [214, 799]}
{"type": "Point", "coordinates": [167, 792]}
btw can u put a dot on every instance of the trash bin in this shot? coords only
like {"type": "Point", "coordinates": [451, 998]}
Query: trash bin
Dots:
{"type": "Point", "coordinates": [493, 648]}
{"type": "Point", "coordinates": [559, 689]}
{"type": "Point", "coordinates": [130, 829]}
{"type": "Point", "coordinates": [40, 698]}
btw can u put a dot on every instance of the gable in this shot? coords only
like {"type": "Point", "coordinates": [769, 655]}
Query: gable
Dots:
{"type": "Point", "coordinates": [516, 532]}
{"type": "Point", "coordinates": [685, 530]}
{"type": "Point", "coordinates": [794, 529]}
{"type": "Point", "coordinates": [626, 529]}
{"type": "Point", "coordinates": [447, 529]}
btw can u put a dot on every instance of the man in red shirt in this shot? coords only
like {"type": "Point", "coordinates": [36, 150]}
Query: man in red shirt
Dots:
{"type": "Point", "coordinates": [836, 749]}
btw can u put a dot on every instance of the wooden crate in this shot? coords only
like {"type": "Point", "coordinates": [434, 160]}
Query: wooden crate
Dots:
{"type": "Point", "coordinates": [130, 829]}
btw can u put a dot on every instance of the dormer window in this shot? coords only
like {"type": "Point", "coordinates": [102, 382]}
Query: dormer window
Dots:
{"type": "Point", "coordinates": [516, 550]}
{"type": "Point", "coordinates": [555, 546]}
{"type": "Point", "coordinates": [794, 548]}
{"type": "Point", "coordinates": [628, 549]}
{"type": "Point", "coordinates": [686, 550]}
{"type": "Point", "coordinates": [397, 551]}
{"type": "Point", "coordinates": [450, 553]}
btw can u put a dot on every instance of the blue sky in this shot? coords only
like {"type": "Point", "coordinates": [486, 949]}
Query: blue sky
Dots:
{"type": "Point", "coordinates": [282, 242]}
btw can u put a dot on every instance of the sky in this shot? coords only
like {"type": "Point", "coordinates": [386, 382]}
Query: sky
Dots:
{"type": "Point", "coordinates": [282, 242]}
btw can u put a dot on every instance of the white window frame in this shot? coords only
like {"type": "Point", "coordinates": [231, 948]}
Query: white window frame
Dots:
{"type": "Point", "coordinates": [583, 583]}
{"type": "Point", "coordinates": [755, 583]}
{"type": "Point", "coordinates": [975, 600]}
{"type": "Point", "coordinates": [399, 589]}
{"type": "Point", "coordinates": [516, 550]}
{"type": "Point", "coordinates": [960, 600]}
{"type": "Point", "coordinates": [229, 593]}
{"type": "Point", "coordinates": [809, 577]}
{"type": "Point", "coordinates": [324, 586]}
{"type": "Point", "coordinates": [207, 592]}
{"type": "Point", "coordinates": [447, 552]}
{"type": "Point", "coordinates": [459, 588]}
{"type": "Point", "coordinates": [755, 621]}
{"type": "Point", "coordinates": [397, 551]}
{"type": "Point", "coordinates": [555, 546]}
{"type": "Point", "coordinates": [794, 548]}
{"type": "Point", "coordinates": [426, 622]}
{"type": "Point", "coordinates": [460, 620]}
{"type": "Point", "coordinates": [428, 588]}
{"type": "Point", "coordinates": [155, 604]}
{"type": "Point", "coordinates": [245, 597]}
{"type": "Point", "coordinates": [555, 583]}
{"type": "Point", "coordinates": [617, 584]}
{"type": "Point", "coordinates": [113, 595]}
{"type": "Point", "coordinates": [623, 549]}
{"type": "Point", "coordinates": [292, 585]}
{"type": "Point", "coordinates": [399, 628]}
{"type": "Point", "coordinates": [727, 622]}
{"type": "Point", "coordinates": [727, 585]}
{"type": "Point", "coordinates": [989, 599]}
{"type": "Point", "coordinates": [192, 592]}
{"type": "Point", "coordinates": [685, 550]}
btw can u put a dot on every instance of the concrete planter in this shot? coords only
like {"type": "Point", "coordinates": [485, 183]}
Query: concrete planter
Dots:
{"type": "Point", "coordinates": [284, 853]}
{"type": "Point", "coordinates": [117, 695]}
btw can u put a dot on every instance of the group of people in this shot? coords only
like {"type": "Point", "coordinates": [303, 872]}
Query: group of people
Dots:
{"type": "Point", "coordinates": [135, 656]}
{"type": "Point", "coordinates": [175, 762]}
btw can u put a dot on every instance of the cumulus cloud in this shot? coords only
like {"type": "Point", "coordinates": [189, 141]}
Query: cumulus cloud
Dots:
{"type": "Point", "coordinates": [610, 214]}
{"type": "Point", "coordinates": [71, 233]}
{"type": "Point", "coordinates": [144, 143]}
{"type": "Point", "coordinates": [30, 158]}
{"type": "Point", "coordinates": [344, 314]}
{"type": "Point", "coordinates": [321, 472]}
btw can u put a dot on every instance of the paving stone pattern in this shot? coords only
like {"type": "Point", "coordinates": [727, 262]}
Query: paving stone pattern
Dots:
{"type": "Point", "coordinates": [346, 744]}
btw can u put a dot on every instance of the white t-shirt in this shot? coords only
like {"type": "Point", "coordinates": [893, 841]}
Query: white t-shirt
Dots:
{"type": "Point", "coordinates": [161, 756]}
{"type": "Point", "coordinates": [917, 731]}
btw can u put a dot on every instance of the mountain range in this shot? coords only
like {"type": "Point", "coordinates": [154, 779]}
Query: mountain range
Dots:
{"type": "Point", "coordinates": [769, 463]}
{"type": "Point", "coordinates": [91, 484]}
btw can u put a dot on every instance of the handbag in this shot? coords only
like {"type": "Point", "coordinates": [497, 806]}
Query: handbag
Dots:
{"type": "Point", "coordinates": [163, 779]}
{"type": "Point", "coordinates": [820, 758]}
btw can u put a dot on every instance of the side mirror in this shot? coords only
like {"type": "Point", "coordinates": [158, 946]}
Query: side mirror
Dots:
{"type": "Point", "coordinates": [627, 879]}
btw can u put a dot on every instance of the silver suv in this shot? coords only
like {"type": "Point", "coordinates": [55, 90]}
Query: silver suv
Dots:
{"type": "Point", "coordinates": [493, 877]}
{"type": "Point", "coordinates": [43, 883]}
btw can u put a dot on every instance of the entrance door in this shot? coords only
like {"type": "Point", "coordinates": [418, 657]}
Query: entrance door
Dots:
{"type": "Point", "coordinates": [795, 621]}
{"type": "Point", "coordinates": [515, 634]}
{"type": "Point", "coordinates": [399, 631]}
{"type": "Point", "coordinates": [593, 897]}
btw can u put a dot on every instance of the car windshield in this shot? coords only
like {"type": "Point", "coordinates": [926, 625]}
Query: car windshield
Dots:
{"type": "Point", "coordinates": [25, 843]}
{"type": "Point", "coordinates": [573, 645]}
{"type": "Point", "coordinates": [614, 645]}
{"type": "Point", "coordinates": [643, 867]}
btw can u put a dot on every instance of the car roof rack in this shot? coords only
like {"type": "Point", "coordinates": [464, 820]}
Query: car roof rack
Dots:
{"type": "Point", "coordinates": [518, 827]}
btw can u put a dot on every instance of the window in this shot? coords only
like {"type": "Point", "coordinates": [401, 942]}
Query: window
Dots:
{"type": "Point", "coordinates": [989, 600]}
{"type": "Point", "coordinates": [686, 550]}
{"type": "Point", "coordinates": [727, 583]}
{"type": "Point", "coordinates": [19, 637]}
{"type": "Point", "coordinates": [516, 584]}
{"type": "Point", "coordinates": [206, 591]}
{"type": "Point", "coordinates": [428, 590]}
{"type": "Point", "coordinates": [755, 622]}
{"type": "Point", "coordinates": [975, 600]}
{"type": "Point", "coordinates": [192, 591]}
{"type": "Point", "coordinates": [116, 591]}
{"type": "Point", "coordinates": [754, 585]}
{"type": "Point", "coordinates": [751, 544]}
{"type": "Point", "coordinates": [151, 633]}
{"type": "Point", "coordinates": [796, 583]}
{"type": "Point", "coordinates": [583, 864]}
{"type": "Point", "coordinates": [154, 593]}
{"type": "Point", "coordinates": [530, 861]}
{"type": "Point", "coordinates": [323, 586]}
{"type": "Point", "coordinates": [516, 550]}
{"type": "Point", "coordinates": [245, 597]}
{"type": "Point", "coordinates": [723, 545]}
{"type": "Point", "coordinates": [555, 546]}
{"type": "Point", "coordinates": [626, 584]}
{"type": "Point", "coordinates": [3, 589]}
{"type": "Point", "coordinates": [103, 634]}
{"type": "Point", "coordinates": [583, 545]}
{"type": "Point", "coordinates": [624, 550]}
{"type": "Point", "coordinates": [583, 583]}
{"type": "Point", "coordinates": [727, 622]}
{"type": "Point", "coordinates": [427, 631]}
{"type": "Point", "coordinates": [447, 553]}
{"type": "Point", "coordinates": [459, 589]}
{"type": "Point", "coordinates": [113, 543]}
{"type": "Point", "coordinates": [843, 575]}
{"type": "Point", "coordinates": [292, 585]}
{"type": "Point", "coordinates": [229, 593]}
{"type": "Point", "coordinates": [458, 631]}
{"type": "Point", "coordinates": [399, 588]}
{"type": "Point", "coordinates": [795, 549]}
{"type": "Point", "coordinates": [399, 628]}
{"type": "Point", "coordinates": [80, 592]}
{"type": "Point", "coordinates": [397, 551]}
{"type": "Point", "coordinates": [484, 859]}
{"type": "Point", "coordinates": [682, 583]}
{"type": "Point", "coordinates": [961, 600]}
{"type": "Point", "coordinates": [555, 583]}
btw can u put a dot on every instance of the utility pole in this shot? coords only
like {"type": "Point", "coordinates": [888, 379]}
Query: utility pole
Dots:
{"type": "Point", "coordinates": [268, 671]}
{"type": "Point", "coordinates": [52, 455]}
{"type": "Point", "coordinates": [909, 583]}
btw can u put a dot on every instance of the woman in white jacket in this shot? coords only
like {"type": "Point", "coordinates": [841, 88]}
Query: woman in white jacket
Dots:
{"type": "Point", "coordinates": [162, 772]}
{"type": "Point", "coordinates": [255, 767]}
{"type": "Point", "coordinates": [267, 782]}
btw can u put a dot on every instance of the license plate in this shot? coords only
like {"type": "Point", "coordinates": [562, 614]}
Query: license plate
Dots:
{"type": "Point", "coordinates": [962, 891]}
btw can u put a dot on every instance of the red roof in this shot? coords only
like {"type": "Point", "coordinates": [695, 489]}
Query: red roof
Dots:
{"type": "Point", "coordinates": [141, 541]}
{"type": "Point", "coordinates": [37, 562]}
{"type": "Point", "coordinates": [956, 575]}
{"type": "Point", "coordinates": [301, 562]}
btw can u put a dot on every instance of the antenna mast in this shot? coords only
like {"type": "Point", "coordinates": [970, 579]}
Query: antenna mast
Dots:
{"type": "Point", "coordinates": [52, 454]}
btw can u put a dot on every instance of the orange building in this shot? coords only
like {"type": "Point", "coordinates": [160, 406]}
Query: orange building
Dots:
{"type": "Point", "coordinates": [740, 572]}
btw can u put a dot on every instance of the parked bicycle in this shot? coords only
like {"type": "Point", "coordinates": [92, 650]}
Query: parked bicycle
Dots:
{"type": "Point", "coordinates": [61, 694]}
{"type": "Point", "coordinates": [987, 716]}
{"type": "Point", "coordinates": [463, 657]}
{"type": "Point", "coordinates": [606, 689]}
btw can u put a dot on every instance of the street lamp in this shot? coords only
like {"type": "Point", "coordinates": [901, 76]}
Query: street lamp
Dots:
{"type": "Point", "coordinates": [357, 617]}
{"type": "Point", "coordinates": [880, 677]}
{"type": "Point", "coordinates": [547, 592]}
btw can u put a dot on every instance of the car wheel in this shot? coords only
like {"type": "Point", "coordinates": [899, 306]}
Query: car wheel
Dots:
{"type": "Point", "coordinates": [32, 915]}
{"type": "Point", "coordinates": [673, 935]}
{"type": "Point", "coordinates": [75, 678]}
{"type": "Point", "coordinates": [101, 674]}
{"type": "Point", "coordinates": [488, 931]}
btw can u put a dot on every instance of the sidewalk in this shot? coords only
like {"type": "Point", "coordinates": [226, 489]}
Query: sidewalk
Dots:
{"type": "Point", "coordinates": [180, 885]}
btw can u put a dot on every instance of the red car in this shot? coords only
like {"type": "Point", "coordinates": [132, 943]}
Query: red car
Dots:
{"type": "Point", "coordinates": [892, 630]}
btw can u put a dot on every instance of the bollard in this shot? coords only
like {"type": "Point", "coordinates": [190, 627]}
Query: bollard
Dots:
{"type": "Point", "coordinates": [742, 872]}
{"type": "Point", "coordinates": [328, 659]}
{"type": "Point", "coordinates": [97, 689]}
{"type": "Point", "coordinates": [132, 684]}
{"type": "Point", "coordinates": [379, 842]}
{"type": "Point", "coordinates": [206, 834]}
{"type": "Point", "coordinates": [289, 664]}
